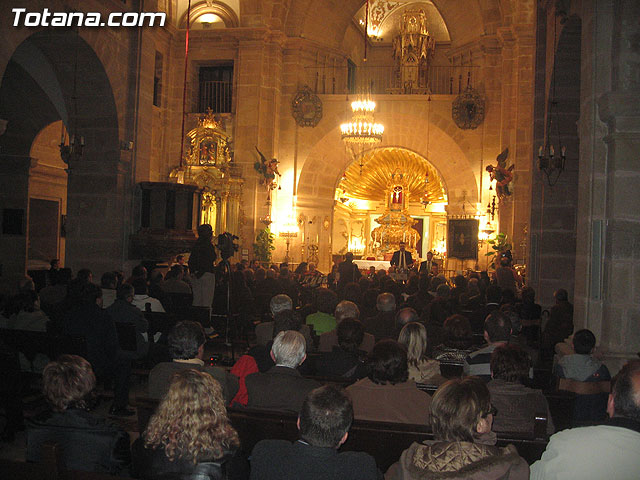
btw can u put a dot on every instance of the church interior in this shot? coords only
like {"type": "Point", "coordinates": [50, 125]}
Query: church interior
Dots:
{"type": "Point", "coordinates": [339, 126]}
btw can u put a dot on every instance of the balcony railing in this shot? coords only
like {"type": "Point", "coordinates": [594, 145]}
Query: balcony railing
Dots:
{"type": "Point", "coordinates": [444, 80]}
{"type": "Point", "coordinates": [215, 95]}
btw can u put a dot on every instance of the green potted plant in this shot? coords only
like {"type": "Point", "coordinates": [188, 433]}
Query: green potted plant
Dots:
{"type": "Point", "coordinates": [499, 245]}
{"type": "Point", "coordinates": [263, 246]}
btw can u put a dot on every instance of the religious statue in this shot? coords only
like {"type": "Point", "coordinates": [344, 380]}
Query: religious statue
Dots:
{"type": "Point", "coordinates": [502, 175]}
{"type": "Point", "coordinates": [268, 169]}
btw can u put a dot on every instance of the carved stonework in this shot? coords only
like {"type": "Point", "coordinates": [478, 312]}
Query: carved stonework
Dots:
{"type": "Point", "coordinates": [467, 109]}
{"type": "Point", "coordinates": [306, 108]}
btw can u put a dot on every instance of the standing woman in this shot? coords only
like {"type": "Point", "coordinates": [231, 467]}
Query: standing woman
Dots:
{"type": "Point", "coordinates": [201, 260]}
{"type": "Point", "coordinates": [190, 436]}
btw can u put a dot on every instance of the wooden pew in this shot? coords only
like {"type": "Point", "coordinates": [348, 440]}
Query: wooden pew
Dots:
{"type": "Point", "coordinates": [384, 441]}
{"type": "Point", "coordinates": [51, 468]}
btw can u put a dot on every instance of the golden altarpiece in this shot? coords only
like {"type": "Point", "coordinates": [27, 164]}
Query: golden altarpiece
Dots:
{"type": "Point", "coordinates": [208, 164]}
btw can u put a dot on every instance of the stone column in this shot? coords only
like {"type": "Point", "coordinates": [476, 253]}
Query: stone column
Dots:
{"type": "Point", "coordinates": [14, 198]}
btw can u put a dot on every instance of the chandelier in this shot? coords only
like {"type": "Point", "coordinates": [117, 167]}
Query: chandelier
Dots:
{"type": "Point", "coordinates": [361, 132]}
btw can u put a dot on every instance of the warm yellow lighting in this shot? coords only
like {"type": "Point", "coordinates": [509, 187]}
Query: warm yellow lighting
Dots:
{"type": "Point", "coordinates": [367, 131]}
{"type": "Point", "coordinates": [363, 106]}
{"type": "Point", "coordinates": [209, 18]}
{"type": "Point", "coordinates": [356, 246]}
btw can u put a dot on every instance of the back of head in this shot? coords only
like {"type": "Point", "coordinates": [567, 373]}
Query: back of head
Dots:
{"type": "Point", "coordinates": [498, 326]}
{"type": "Point", "coordinates": [125, 291]}
{"type": "Point", "coordinates": [325, 417]}
{"type": "Point", "coordinates": [494, 294]}
{"type": "Point", "coordinates": [561, 295]}
{"type": "Point", "coordinates": [413, 337]}
{"type": "Point", "coordinates": [388, 363]}
{"type": "Point", "coordinates": [108, 280]}
{"type": "Point", "coordinates": [67, 382]}
{"type": "Point", "coordinates": [279, 303]}
{"type": "Point", "coordinates": [460, 282]}
{"type": "Point", "coordinates": [174, 272]}
{"type": "Point", "coordinates": [84, 275]}
{"type": "Point", "coordinates": [584, 341]}
{"type": "Point", "coordinates": [386, 302]}
{"type": "Point", "coordinates": [271, 273]}
{"type": "Point", "coordinates": [625, 390]}
{"type": "Point", "coordinates": [436, 282]}
{"type": "Point", "coordinates": [185, 340]}
{"type": "Point", "coordinates": [289, 348]}
{"type": "Point", "coordinates": [205, 231]}
{"type": "Point", "coordinates": [326, 300]}
{"type": "Point", "coordinates": [406, 315]}
{"type": "Point", "coordinates": [139, 271]}
{"type": "Point", "coordinates": [191, 420]}
{"type": "Point", "coordinates": [457, 407]}
{"type": "Point", "coordinates": [350, 334]}
{"type": "Point", "coordinates": [285, 320]}
{"type": "Point", "coordinates": [510, 363]}
{"type": "Point", "coordinates": [139, 285]}
{"type": "Point", "coordinates": [348, 257]}
{"type": "Point", "coordinates": [90, 292]}
{"type": "Point", "coordinates": [64, 276]}
{"type": "Point", "coordinates": [352, 291]}
{"type": "Point", "coordinates": [458, 333]}
{"type": "Point", "coordinates": [261, 274]}
{"type": "Point", "coordinates": [346, 309]}
{"type": "Point", "coordinates": [528, 295]}
{"type": "Point", "coordinates": [443, 291]}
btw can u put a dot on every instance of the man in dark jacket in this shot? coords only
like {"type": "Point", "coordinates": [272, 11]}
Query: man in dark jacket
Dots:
{"type": "Point", "coordinates": [324, 422]}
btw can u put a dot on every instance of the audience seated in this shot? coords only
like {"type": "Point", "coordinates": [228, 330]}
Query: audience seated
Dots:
{"type": "Point", "coordinates": [323, 422]}
{"type": "Point", "coordinates": [282, 387]}
{"type": "Point", "coordinates": [28, 315]}
{"type": "Point", "coordinates": [90, 321]}
{"type": "Point", "coordinates": [265, 330]}
{"type": "Point", "coordinates": [560, 324]}
{"type": "Point", "coordinates": [186, 347]}
{"type": "Point", "coordinates": [122, 310]}
{"type": "Point", "coordinates": [497, 331]}
{"type": "Point", "coordinates": [88, 442]}
{"type": "Point", "coordinates": [582, 366]}
{"type": "Point", "coordinates": [174, 281]}
{"type": "Point", "coordinates": [413, 337]}
{"type": "Point", "coordinates": [323, 320]}
{"type": "Point", "coordinates": [463, 445]}
{"type": "Point", "coordinates": [142, 298]}
{"type": "Point", "coordinates": [344, 310]}
{"type": "Point", "coordinates": [190, 436]}
{"type": "Point", "coordinates": [382, 325]}
{"type": "Point", "coordinates": [387, 394]}
{"type": "Point", "coordinates": [344, 360]}
{"type": "Point", "coordinates": [608, 451]}
{"type": "Point", "coordinates": [108, 283]}
{"type": "Point", "coordinates": [441, 308]}
{"type": "Point", "coordinates": [477, 318]}
{"type": "Point", "coordinates": [458, 343]}
{"type": "Point", "coordinates": [517, 404]}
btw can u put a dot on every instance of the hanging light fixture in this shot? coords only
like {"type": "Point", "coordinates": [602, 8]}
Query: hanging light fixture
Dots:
{"type": "Point", "coordinates": [361, 132]}
{"type": "Point", "coordinates": [550, 164]}
{"type": "Point", "coordinates": [71, 150]}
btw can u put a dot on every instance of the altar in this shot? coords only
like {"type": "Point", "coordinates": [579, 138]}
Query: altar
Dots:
{"type": "Point", "coordinates": [366, 264]}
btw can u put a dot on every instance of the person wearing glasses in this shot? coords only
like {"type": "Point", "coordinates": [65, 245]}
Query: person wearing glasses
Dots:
{"type": "Point", "coordinates": [463, 446]}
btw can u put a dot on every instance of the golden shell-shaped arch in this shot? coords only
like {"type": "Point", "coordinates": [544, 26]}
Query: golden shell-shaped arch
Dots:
{"type": "Point", "coordinates": [422, 179]}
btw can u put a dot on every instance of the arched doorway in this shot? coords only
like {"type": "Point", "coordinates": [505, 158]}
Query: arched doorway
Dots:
{"type": "Point", "coordinates": [397, 195]}
{"type": "Point", "coordinates": [54, 77]}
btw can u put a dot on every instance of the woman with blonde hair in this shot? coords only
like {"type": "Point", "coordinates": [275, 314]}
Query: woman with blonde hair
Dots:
{"type": "Point", "coordinates": [421, 369]}
{"type": "Point", "coordinates": [190, 436]}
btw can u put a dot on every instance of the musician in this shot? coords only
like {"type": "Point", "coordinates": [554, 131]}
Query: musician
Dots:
{"type": "Point", "coordinates": [402, 259]}
{"type": "Point", "coordinates": [429, 265]}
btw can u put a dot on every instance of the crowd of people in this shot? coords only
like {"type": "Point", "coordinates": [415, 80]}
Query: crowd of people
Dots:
{"type": "Point", "coordinates": [470, 338]}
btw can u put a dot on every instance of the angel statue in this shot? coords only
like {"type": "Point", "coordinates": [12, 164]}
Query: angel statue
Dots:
{"type": "Point", "coordinates": [267, 168]}
{"type": "Point", "coordinates": [502, 175]}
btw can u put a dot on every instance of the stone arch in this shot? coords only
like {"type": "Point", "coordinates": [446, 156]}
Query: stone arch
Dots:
{"type": "Point", "coordinates": [33, 97]}
{"type": "Point", "coordinates": [447, 150]}
{"type": "Point", "coordinates": [226, 13]}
